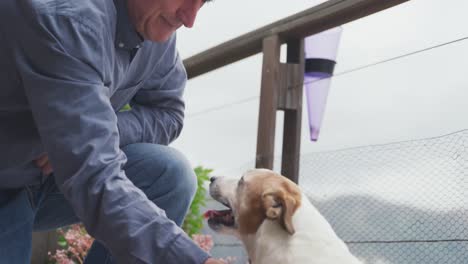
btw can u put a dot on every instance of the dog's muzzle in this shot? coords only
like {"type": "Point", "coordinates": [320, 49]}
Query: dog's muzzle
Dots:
{"type": "Point", "coordinates": [219, 218]}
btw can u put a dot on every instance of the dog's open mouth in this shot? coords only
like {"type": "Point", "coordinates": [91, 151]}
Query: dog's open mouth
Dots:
{"type": "Point", "coordinates": [218, 218]}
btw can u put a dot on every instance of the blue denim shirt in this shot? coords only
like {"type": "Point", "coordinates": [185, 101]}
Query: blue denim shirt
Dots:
{"type": "Point", "coordinates": [66, 68]}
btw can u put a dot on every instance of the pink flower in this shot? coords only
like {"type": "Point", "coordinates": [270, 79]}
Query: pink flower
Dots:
{"type": "Point", "coordinates": [205, 242]}
{"type": "Point", "coordinates": [61, 257]}
{"type": "Point", "coordinates": [78, 243]}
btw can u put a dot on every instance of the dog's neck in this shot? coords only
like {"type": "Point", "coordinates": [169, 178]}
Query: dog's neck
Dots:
{"type": "Point", "coordinates": [259, 245]}
{"type": "Point", "coordinates": [312, 243]}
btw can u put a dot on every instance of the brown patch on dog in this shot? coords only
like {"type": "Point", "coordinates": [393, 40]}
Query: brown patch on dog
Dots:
{"type": "Point", "coordinates": [266, 195]}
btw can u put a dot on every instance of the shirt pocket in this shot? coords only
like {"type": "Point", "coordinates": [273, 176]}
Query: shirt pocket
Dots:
{"type": "Point", "coordinates": [122, 96]}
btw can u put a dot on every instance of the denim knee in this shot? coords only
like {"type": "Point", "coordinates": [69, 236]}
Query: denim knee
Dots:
{"type": "Point", "coordinates": [184, 178]}
{"type": "Point", "coordinates": [160, 169]}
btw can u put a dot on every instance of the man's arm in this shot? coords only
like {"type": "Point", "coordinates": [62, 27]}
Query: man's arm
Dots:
{"type": "Point", "coordinates": [157, 111]}
{"type": "Point", "coordinates": [60, 66]}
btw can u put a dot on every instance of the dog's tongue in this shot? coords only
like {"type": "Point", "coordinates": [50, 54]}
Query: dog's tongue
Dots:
{"type": "Point", "coordinates": [208, 214]}
{"type": "Point", "coordinates": [211, 213]}
{"type": "Point", "coordinates": [214, 213]}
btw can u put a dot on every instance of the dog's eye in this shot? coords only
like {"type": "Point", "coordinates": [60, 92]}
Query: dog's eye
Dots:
{"type": "Point", "coordinates": [276, 205]}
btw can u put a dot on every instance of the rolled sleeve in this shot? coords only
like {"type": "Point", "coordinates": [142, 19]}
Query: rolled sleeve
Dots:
{"type": "Point", "coordinates": [60, 62]}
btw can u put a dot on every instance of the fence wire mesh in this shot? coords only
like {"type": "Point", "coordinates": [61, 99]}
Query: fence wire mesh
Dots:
{"type": "Point", "coordinates": [398, 203]}
{"type": "Point", "coordinates": [404, 203]}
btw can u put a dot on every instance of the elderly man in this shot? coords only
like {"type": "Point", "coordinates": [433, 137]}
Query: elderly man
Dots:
{"type": "Point", "coordinates": [69, 152]}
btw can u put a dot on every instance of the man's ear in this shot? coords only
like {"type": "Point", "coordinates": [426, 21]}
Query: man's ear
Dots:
{"type": "Point", "coordinates": [280, 206]}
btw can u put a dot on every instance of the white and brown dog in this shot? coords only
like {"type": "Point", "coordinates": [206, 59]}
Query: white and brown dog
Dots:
{"type": "Point", "coordinates": [275, 221]}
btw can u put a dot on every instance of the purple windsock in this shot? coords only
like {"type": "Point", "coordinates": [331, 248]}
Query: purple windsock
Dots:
{"type": "Point", "coordinates": [320, 59]}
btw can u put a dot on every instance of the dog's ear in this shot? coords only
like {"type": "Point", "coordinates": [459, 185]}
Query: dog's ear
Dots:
{"type": "Point", "coordinates": [280, 206]}
{"type": "Point", "coordinates": [272, 204]}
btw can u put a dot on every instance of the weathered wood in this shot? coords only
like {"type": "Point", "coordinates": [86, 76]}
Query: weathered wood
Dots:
{"type": "Point", "coordinates": [268, 103]}
{"type": "Point", "coordinates": [311, 21]}
{"type": "Point", "coordinates": [293, 116]}
{"type": "Point", "coordinates": [42, 243]}
{"type": "Point", "coordinates": [290, 78]}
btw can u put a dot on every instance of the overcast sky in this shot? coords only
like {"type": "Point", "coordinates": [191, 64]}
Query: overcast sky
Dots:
{"type": "Point", "coordinates": [419, 96]}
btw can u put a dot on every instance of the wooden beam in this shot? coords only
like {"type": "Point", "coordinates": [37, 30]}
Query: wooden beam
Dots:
{"type": "Point", "coordinates": [311, 21]}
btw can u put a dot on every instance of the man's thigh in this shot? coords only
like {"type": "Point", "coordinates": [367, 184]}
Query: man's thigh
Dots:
{"type": "Point", "coordinates": [165, 176]}
{"type": "Point", "coordinates": [16, 220]}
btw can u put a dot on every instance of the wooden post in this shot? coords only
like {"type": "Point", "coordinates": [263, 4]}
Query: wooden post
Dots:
{"type": "Point", "coordinates": [281, 89]}
{"type": "Point", "coordinates": [42, 243]}
{"type": "Point", "coordinates": [293, 114]}
{"type": "Point", "coordinates": [268, 103]}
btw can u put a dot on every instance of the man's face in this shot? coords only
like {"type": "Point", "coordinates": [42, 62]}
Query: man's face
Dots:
{"type": "Point", "coordinates": [156, 20]}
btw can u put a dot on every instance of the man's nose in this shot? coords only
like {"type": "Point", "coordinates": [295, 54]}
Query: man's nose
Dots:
{"type": "Point", "coordinates": [188, 12]}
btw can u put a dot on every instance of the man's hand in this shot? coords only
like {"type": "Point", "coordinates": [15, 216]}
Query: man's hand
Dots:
{"type": "Point", "coordinates": [43, 163]}
{"type": "Point", "coordinates": [214, 261]}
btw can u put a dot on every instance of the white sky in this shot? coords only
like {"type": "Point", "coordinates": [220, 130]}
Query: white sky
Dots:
{"type": "Point", "coordinates": [423, 95]}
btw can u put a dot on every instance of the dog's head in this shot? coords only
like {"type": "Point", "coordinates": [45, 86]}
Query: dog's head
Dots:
{"type": "Point", "coordinates": [259, 195]}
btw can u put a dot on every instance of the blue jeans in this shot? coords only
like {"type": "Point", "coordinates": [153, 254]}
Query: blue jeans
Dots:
{"type": "Point", "coordinates": [161, 172]}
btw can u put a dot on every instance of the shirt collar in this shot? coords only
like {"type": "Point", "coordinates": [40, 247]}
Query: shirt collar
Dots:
{"type": "Point", "coordinates": [126, 36]}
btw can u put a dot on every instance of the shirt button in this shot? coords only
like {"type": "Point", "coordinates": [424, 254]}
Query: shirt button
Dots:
{"type": "Point", "coordinates": [121, 45]}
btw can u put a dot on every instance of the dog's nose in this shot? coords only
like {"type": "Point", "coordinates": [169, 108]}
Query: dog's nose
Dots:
{"type": "Point", "coordinates": [212, 179]}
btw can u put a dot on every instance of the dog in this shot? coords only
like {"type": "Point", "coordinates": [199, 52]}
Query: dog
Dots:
{"type": "Point", "coordinates": [275, 221]}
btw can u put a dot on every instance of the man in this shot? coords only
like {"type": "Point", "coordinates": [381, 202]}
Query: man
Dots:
{"type": "Point", "coordinates": [69, 154]}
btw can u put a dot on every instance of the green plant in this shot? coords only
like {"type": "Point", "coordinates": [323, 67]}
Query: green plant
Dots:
{"type": "Point", "coordinates": [194, 219]}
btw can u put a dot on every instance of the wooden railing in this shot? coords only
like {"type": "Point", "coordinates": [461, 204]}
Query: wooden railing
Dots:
{"type": "Point", "coordinates": [279, 85]}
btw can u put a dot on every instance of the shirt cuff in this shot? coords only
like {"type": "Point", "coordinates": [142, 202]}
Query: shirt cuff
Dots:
{"type": "Point", "coordinates": [192, 254]}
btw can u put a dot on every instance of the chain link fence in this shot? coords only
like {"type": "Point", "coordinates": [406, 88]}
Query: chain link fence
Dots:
{"type": "Point", "coordinates": [399, 203]}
